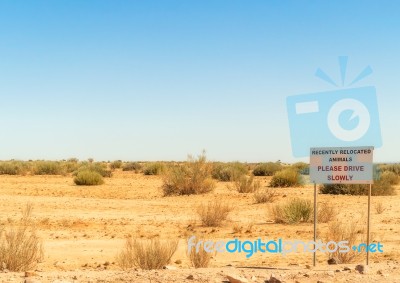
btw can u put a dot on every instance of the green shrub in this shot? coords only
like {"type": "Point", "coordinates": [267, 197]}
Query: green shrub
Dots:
{"type": "Point", "coordinates": [155, 168]}
{"type": "Point", "coordinates": [69, 167]}
{"type": "Point", "coordinates": [288, 177]}
{"type": "Point", "coordinates": [116, 164]}
{"type": "Point", "coordinates": [47, 168]}
{"type": "Point", "coordinates": [267, 169]}
{"type": "Point", "coordinates": [302, 168]}
{"type": "Point", "coordinates": [246, 184]}
{"type": "Point", "coordinates": [132, 166]}
{"type": "Point", "coordinates": [193, 177]}
{"type": "Point", "coordinates": [88, 178]}
{"type": "Point", "coordinates": [95, 167]}
{"type": "Point", "coordinates": [13, 168]}
{"type": "Point", "coordinates": [226, 172]}
{"type": "Point", "coordinates": [295, 211]}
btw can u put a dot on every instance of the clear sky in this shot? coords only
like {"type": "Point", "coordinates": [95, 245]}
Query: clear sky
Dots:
{"type": "Point", "coordinates": [157, 80]}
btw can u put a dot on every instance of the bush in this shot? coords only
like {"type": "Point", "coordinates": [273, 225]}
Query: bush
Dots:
{"type": "Point", "coordinates": [339, 231]}
{"type": "Point", "coordinates": [265, 195]}
{"type": "Point", "coordinates": [94, 167]}
{"type": "Point", "coordinates": [214, 213]}
{"type": "Point", "coordinates": [194, 177]}
{"type": "Point", "coordinates": [47, 168]}
{"type": "Point", "coordinates": [155, 168]}
{"type": "Point", "coordinates": [390, 177]}
{"type": "Point", "coordinates": [288, 177]}
{"type": "Point", "coordinates": [381, 187]}
{"type": "Point", "coordinates": [68, 167]}
{"type": "Point", "coordinates": [151, 254]}
{"type": "Point", "coordinates": [246, 184]}
{"type": "Point", "coordinates": [199, 258]}
{"type": "Point", "coordinates": [267, 169]}
{"type": "Point", "coordinates": [295, 211]}
{"type": "Point", "coordinates": [133, 166]}
{"type": "Point", "coordinates": [226, 172]}
{"type": "Point", "coordinates": [88, 178]}
{"type": "Point", "coordinates": [20, 247]}
{"type": "Point", "coordinates": [12, 168]}
{"type": "Point", "coordinates": [395, 168]}
{"type": "Point", "coordinates": [302, 168]}
{"type": "Point", "coordinates": [116, 164]}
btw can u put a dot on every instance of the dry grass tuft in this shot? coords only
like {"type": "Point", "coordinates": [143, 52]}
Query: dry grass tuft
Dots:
{"type": "Point", "coordinates": [351, 232]}
{"type": "Point", "coordinates": [295, 211]}
{"type": "Point", "coordinates": [246, 184]}
{"type": "Point", "coordinates": [380, 208]}
{"type": "Point", "coordinates": [147, 254]}
{"type": "Point", "coordinates": [213, 213]}
{"type": "Point", "coordinates": [20, 247]}
{"type": "Point", "coordinates": [265, 195]}
{"type": "Point", "coordinates": [194, 177]}
{"type": "Point", "coordinates": [198, 256]}
{"type": "Point", "coordinates": [326, 213]}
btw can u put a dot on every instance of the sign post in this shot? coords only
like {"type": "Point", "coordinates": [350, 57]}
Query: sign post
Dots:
{"type": "Point", "coordinates": [342, 165]}
{"type": "Point", "coordinates": [315, 223]}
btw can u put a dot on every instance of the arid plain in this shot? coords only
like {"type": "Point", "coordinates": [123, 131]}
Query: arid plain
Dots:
{"type": "Point", "coordinates": [83, 228]}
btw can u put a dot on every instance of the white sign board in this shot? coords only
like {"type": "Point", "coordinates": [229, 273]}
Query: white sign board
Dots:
{"type": "Point", "coordinates": [341, 165]}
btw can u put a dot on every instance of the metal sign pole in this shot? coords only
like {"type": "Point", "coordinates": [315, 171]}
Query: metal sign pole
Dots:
{"type": "Point", "coordinates": [369, 221]}
{"type": "Point", "coordinates": [315, 224]}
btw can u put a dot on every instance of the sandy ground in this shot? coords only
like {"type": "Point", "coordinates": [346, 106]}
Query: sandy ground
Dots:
{"type": "Point", "coordinates": [83, 229]}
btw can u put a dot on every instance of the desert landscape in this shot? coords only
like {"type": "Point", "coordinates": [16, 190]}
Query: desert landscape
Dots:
{"type": "Point", "coordinates": [83, 229]}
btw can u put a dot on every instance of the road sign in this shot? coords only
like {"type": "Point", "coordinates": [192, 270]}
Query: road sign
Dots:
{"type": "Point", "coordinates": [341, 165]}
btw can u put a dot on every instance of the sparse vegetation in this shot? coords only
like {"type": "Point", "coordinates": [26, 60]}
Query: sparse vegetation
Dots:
{"type": "Point", "coordinates": [267, 169]}
{"type": "Point", "coordinates": [351, 232]}
{"type": "Point", "coordinates": [295, 211]}
{"type": "Point", "coordinates": [395, 168]}
{"type": "Point", "coordinates": [194, 177]}
{"type": "Point", "coordinates": [133, 166]}
{"type": "Point", "coordinates": [302, 168]}
{"type": "Point", "coordinates": [326, 212]}
{"type": "Point", "coordinates": [246, 184]}
{"type": "Point", "coordinates": [13, 168]}
{"type": "Point", "coordinates": [155, 168]}
{"type": "Point", "coordinates": [288, 177]}
{"type": "Point", "coordinates": [199, 258]}
{"type": "Point", "coordinates": [390, 177]}
{"type": "Point", "coordinates": [226, 172]}
{"type": "Point", "coordinates": [146, 254]}
{"type": "Point", "coordinates": [265, 195]}
{"type": "Point", "coordinates": [20, 246]}
{"type": "Point", "coordinates": [381, 187]}
{"type": "Point", "coordinates": [117, 164]}
{"type": "Point", "coordinates": [88, 178]}
{"type": "Point", "coordinates": [47, 168]}
{"type": "Point", "coordinates": [97, 167]}
{"type": "Point", "coordinates": [213, 213]}
{"type": "Point", "coordinates": [379, 208]}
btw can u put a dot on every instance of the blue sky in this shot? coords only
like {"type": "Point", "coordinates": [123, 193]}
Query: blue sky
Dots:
{"type": "Point", "coordinates": [157, 80]}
